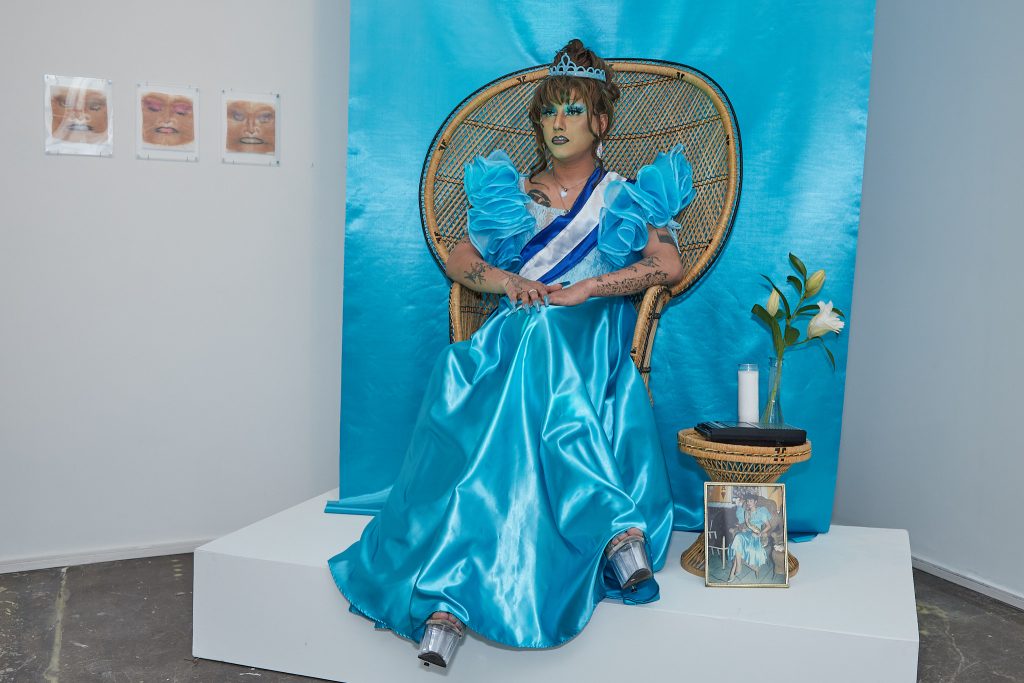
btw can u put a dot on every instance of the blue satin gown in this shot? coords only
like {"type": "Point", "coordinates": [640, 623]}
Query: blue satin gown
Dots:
{"type": "Point", "coordinates": [535, 445]}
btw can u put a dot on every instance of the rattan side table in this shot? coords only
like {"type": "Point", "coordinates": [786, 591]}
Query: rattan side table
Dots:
{"type": "Point", "coordinates": [736, 464]}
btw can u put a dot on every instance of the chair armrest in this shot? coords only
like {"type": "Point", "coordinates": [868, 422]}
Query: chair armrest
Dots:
{"type": "Point", "coordinates": [467, 311]}
{"type": "Point", "coordinates": [649, 309]}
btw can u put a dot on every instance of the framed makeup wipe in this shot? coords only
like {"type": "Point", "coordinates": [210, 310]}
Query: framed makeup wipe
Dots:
{"type": "Point", "coordinates": [78, 116]}
{"type": "Point", "coordinates": [745, 535]}
{"type": "Point", "coordinates": [251, 125]}
{"type": "Point", "coordinates": [167, 122]}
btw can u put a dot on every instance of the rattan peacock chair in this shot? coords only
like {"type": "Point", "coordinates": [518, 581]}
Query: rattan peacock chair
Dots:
{"type": "Point", "coordinates": [662, 104]}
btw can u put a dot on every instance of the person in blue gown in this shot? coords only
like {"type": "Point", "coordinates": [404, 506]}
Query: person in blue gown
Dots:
{"type": "Point", "coordinates": [535, 463]}
{"type": "Point", "coordinates": [748, 545]}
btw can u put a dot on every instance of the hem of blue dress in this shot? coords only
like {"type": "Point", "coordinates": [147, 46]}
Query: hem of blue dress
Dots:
{"type": "Point", "coordinates": [379, 623]}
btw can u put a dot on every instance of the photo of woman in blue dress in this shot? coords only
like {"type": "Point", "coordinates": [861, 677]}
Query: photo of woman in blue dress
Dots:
{"type": "Point", "coordinates": [534, 485]}
{"type": "Point", "coordinates": [750, 539]}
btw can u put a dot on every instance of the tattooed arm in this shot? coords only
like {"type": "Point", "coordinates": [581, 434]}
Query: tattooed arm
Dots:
{"type": "Point", "coordinates": [659, 265]}
{"type": "Point", "coordinates": [466, 266]}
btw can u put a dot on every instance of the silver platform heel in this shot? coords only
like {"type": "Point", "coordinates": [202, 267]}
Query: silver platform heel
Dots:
{"type": "Point", "coordinates": [629, 560]}
{"type": "Point", "coordinates": [439, 640]}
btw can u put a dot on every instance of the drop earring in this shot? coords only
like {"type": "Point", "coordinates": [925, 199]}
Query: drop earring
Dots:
{"type": "Point", "coordinates": [600, 150]}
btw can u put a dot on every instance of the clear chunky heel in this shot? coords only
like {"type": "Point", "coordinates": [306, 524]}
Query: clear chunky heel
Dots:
{"type": "Point", "coordinates": [438, 643]}
{"type": "Point", "coordinates": [628, 558]}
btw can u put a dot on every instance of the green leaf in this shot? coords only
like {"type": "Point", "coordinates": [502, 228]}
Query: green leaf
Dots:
{"type": "Point", "coordinates": [838, 312]}
{"type": "Point", "coordinates": [772, 324]}
{"type": "Point", "coordinates": [762, 313]}
{"type": "Point", "coordinates": [793, 280]}
{"type": "Point", "coordinates": [807, 309]}
{"type": "Point", "coordinates": [782, 297]}
{"type": "Point", "coordinates": [799, 265]}
{"type": "Point", "coordinates": [831, 358]}
{"type": "Point", "coordinates": [792, 334]}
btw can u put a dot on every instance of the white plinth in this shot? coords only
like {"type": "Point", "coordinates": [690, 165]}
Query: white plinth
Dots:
{"type": "Point", "coordinates": [264, 597]}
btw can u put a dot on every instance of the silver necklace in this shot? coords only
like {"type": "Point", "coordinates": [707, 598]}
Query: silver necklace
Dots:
{"type": "Point", "coordinates": [564, 191]}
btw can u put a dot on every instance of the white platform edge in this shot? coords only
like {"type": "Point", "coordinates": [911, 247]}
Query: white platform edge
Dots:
{"type": "Point", "coordinates": [100, 555]}
{"type": "Point", "coordinates": [264, 597]}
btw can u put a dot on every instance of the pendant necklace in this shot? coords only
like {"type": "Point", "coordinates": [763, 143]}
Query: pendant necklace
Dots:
{"type": "Point", "coordinates": [563, 190]}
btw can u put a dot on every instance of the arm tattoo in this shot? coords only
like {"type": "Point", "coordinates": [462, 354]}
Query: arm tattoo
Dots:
{"type": "Point", "coordinates": [631, 284]}
{"type": "Point", "coordinates": [539, 197]}
{"type": "Point", "coordinates": [651, 261]}
{"type": "Point", "coordinates": [476, 272]}
{"type": "Point", "coordinates": [663, 236]}
{"type": "Point", "coordinates": [517, 283]}
{"type": "Point", "coordinates": [631, 279]}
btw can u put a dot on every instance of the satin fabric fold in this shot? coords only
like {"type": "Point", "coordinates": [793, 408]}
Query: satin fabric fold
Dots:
{"type": "Point", "coordinates": [536, 444]}
{"type": "Point", "coordinates": [498, 223]}
{"type": "Point", "coordinates": [661, 190]}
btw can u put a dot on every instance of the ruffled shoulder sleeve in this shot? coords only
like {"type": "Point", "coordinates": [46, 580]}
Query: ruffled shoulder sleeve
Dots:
{"type": "Point", "coordinates": [661, 190]}
{"type": "Point", "coordinates": [499, 224]}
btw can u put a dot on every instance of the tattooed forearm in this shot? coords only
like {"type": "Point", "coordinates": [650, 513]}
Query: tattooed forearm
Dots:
{"type": "Point", "coordinates": [630, 284]}
{"type": "Point", "coordinates": [647, 272]}
{"type": "Point", "coordinates": [539, 197]}
{"type": "Point", "coordinates": [466, 266]}
{"type": "Point", "coordinates": [477, 272]}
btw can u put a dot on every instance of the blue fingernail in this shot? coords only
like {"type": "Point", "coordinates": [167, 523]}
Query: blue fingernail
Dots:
{"type": "Point", "coordinates": [565, 284]}
{"type": "Point", "coordinates": [547, 299]}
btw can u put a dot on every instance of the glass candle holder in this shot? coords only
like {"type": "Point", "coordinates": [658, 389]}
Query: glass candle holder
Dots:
{"type": "Point", "coordinates": [747, 398]}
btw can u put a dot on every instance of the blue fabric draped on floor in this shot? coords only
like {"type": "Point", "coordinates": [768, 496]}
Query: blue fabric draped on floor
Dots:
{"type": "Point", "coordinates": [557, 451]}
{"type": "Point", "coordinates": [797, 75]}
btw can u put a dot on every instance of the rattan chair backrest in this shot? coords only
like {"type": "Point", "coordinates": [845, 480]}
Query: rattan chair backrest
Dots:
{"type": "Point", "coordinates": [662, 104]}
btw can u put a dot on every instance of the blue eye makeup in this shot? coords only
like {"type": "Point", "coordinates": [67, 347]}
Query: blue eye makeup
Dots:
{"type": "Point", "coordinates": [572, 109]}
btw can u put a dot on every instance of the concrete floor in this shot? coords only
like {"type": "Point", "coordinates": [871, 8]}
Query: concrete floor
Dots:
{"type": "Point", "coordinates": [132, 621]}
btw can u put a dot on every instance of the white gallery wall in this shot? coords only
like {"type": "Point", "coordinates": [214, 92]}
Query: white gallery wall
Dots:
{"type": "Point", "coordinates": [935, 384]}
{"type": "Point", "coordinates": [169, 332]}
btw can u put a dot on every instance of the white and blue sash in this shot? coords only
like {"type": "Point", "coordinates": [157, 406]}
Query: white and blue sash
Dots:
{"type": "Point", "coordinates": [568, 239]}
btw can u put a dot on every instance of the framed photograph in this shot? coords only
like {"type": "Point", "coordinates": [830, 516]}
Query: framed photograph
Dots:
{"type": "Point", "coordinates": [78, 116]}
{"type": "Point", "coordinates": [745, 535]}
{"type": "Point", "coordinates": [167, 122]}
{"type": "Point", "coordinates": [251, 128]}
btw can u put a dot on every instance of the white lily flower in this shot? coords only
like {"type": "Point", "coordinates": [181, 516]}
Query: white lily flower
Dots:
{"type": "Point", "coordinates": [814, 283]}
{"type": "Point", "coordinates": [773, 303]}
{"type": "Point", "coordinates": [824, 321]}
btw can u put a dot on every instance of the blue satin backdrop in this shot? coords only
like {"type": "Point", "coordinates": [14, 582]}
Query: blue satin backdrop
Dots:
{"type": "Point", "coordinates": [797, 74]}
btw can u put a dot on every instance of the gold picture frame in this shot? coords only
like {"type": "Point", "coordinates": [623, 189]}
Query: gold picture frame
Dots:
{"type": "Point", "coordinates": [745, 530]}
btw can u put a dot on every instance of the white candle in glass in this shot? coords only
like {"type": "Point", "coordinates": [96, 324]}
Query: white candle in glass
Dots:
{"type": "Point", "coordinates": [747, 402]}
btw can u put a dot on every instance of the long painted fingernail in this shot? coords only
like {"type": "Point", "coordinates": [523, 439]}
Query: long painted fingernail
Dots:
{"type": "Point", "coordinates": [565, 284]}
{"type": "Point", "coordinates": [547, 299]}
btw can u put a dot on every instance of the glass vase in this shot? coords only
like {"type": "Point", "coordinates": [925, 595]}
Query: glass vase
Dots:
{"type": "Point", "coordinates": [772, 413]}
